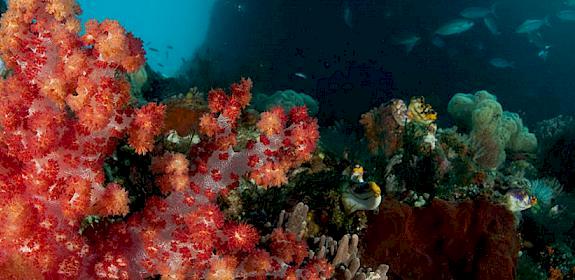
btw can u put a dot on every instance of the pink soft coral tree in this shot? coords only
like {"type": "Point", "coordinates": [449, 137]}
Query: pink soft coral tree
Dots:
{"type": "Point", "coordinates": [61, 112]}
{"type": "Point", "coordinates": [185, 235]}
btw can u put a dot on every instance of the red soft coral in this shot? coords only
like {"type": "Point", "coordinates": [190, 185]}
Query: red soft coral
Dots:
{"type": "Point", "coordinates": [114, 45]}
{"type": "Point", "coordinates": [114, 202]}
{"type": "Point", "coordinates": [270, 174]}
{"type": "Point", "coordinates": [285, 246]}
{"type": "Point", "coordinates": [241, 92]}
{"type": "Point", "coordinates": [145, 127]}
{"type": "Point", "coordinates": [272, 122]}
{"type": "Point", "coordinates": [259, 263]}
{"type": "Point", "coordinates": [172, 172]}
{"type": "Point", "coordinates": [241, 237]}
{"type": "Point", "coordinates": [222, 268]}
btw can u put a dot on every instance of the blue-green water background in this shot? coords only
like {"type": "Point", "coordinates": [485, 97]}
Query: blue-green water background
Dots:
{"type": "Point", "coordinates": [179, 24]}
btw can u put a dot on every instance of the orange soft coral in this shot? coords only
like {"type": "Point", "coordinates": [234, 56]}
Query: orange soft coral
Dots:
{"type": "Point", "coordinates": [114, 45]}
{"type": "Point", "coordinates": [209, 125]}
{"type": "Point", "coordinates": [145, 127]}
{"type": "Point", "coordinates": [171, 170]}
{"type": "Point", "coordinates": [241, 92]}
{"type": "Point", "coordinates": [16, 266]}
{"type": "Point", "coordinates": [17, 217]}
{"type": "Point", "coordinates": [272, 122]}
{"type": "Point", "coordinates": [222, 268]}
{"type": "Point", "coordinates": [270, 174]}
{"type": "Point", "coordinates": [241, 237]}
{"type": "Point", "coordinates": [259, 263]}
{"type": "Point", "coordinates": [285, 246]}
{"type": "Point", "coordinates": [231, 106]}
{"type": "Point", "coordinates": [62, 9]}
{"type": "Point", "coordinates": [114, 202]}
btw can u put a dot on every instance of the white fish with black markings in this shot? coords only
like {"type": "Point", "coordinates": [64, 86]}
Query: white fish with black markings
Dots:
{"type": "Point", "coordinates": [455, 26]}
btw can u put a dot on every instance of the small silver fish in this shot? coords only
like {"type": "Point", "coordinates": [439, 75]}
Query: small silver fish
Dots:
{"type": "Point", "coordinates": [544, 53]}
{"type": "Point", "coordinates": [491, 25]}
{"type": "Point", "coordinates": [475, 12]}
{"type": "Point", "coordinates": [408, 41]}
{"type": "Point", "coordinates": [532, 25]}
{"type": "Point", "coordinates": [455, 26]}
{"type": "Point", "coordinates": [566, 15]}
{"type": "Point", "coordinates": [300, 75]}
{"type": "Point", "coordinates": [347, 15]}
{"type": "Point", "coordinates": [501, 63]}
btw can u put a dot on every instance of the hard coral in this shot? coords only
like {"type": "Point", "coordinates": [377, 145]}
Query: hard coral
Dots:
{"type": "Point", "coordinates": [444, 241]}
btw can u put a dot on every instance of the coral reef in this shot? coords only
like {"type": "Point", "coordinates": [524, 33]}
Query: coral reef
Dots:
{"type": "Point", "coordinates": [64, 111]}
{"type": "Point", "coordinates": [471, 240]}
{"type": "Point", "coordinates": [555, 155]}
{"type": "Point", "coordinates": [343, 254]}
{"type": "Point", "coordinates": [97, 183]}
{"type": "Point", "coordinates": [492, 131]}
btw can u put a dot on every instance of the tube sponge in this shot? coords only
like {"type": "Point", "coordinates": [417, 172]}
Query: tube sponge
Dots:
{"type": "Point", "coordinates": [492, 130]}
